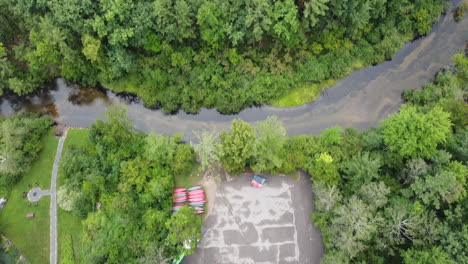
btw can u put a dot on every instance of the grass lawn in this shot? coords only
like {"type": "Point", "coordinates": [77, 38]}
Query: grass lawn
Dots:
{"type": "Point", "coordinates": [188, 180]}
{"type": "Point", "coordinates": [67, 223]}
{"type": "Point", "coordinates": [302, 95]}
{"type": "Point", "coordinates": [31, 237]}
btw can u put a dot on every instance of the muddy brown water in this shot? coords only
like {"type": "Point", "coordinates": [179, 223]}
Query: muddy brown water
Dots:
{"type": "Point", "coordinates": [360, 100]}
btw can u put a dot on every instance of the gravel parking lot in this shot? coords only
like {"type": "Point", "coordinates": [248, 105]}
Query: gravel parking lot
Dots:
{"type": "Point", "coordinates": [268, 225]}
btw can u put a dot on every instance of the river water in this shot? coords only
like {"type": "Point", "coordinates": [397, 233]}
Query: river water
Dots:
{"type": "Point", "coordinates": [360, 100]}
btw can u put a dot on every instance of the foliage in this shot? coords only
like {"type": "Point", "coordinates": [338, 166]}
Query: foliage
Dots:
{"type": "Point", "coordinates": [66, 198]}
{"type": "Point", "coordinates": [414, 133]}
{"type": "Point", "coordinates": [433, 256]}
{"type": "Point", "coordinates": [270, 138]}
{"type": "Point", "coordinates": [238, 146]}
{"type": "Point", "coordinates": [207, 149]}
{"type": "Point", "coordinates": [324, 169]}
{"type": "Point", "coordinates": [20, 145]}
{"type": "Point", "coordinates": [121, 185]}
{"type": "Point", "coordinates": [184, 158]}
{"type": "Point", "coordinates": [460, 11]}
{"type": "Point", "coordinates": [66, 252]}
{"type": "Point", "coordinates": [404, 202]}
{"type": "Point", "coordinates": [13, 222]}
{"type": "Point", "coordinates": [184, 230]}
{"type": "Point", "coordinates": [213, 53]}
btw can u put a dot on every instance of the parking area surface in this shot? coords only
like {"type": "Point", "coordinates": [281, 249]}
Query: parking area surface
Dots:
{"type": "Point", "coordinates": [268, 225]}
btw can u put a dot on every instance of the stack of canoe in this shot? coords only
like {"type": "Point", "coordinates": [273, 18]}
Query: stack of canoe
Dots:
{"type": "Point", "coordinates": [195, 196]}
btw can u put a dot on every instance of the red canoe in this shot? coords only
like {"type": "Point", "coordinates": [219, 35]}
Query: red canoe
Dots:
{"type": "Point", "coordinates": [180, 190]}
{"type": "Point", "coordinates": [197, 195]}
{"type": "Point", "coordinates": [178, 206]}
{"type": "Point", "coordinates": [200, 212]}
{"type": "Point", "coordinates": [197, 200]}
{"type": "Point", "coordinates": [180, 199]}
{"type": "Point", "coordinates": [196, 191]}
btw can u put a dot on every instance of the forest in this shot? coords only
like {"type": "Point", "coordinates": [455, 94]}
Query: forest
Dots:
{"type": "Point", "coordinates": [131, 175]}
{"type": "Point", "coordinates": [218, 54]}
{"type": "Point", "coordinates": [395, 193]}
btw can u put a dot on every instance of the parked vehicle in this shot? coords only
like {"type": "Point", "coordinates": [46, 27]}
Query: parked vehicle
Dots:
{"type": "Point", "coordinates": [257, 181]}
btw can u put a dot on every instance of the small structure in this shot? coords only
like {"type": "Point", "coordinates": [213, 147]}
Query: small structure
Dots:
{"type": "Point", "coordinates": [2, 203]}
{"type": "Point", "coordinates": [30, 216]}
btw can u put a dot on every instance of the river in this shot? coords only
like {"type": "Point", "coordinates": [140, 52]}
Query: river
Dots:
{"type": "Point", "coordinates": [360, 100]}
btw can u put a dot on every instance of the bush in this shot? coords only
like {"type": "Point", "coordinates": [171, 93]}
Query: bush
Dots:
{"type": "Point", "coordinates": [66, 198]}
{"type": "Point", "coordinates": [66, 251]}
{"type": "Point", "coordinates": [460, 11]}
{"type": "Point", "coordinates": [184, 159]}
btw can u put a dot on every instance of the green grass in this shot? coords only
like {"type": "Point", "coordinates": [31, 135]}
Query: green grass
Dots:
{"type": "Point", "coordinates": [132, 84]}
{"type": "Point", "coordinates": [294, 175]}
{"type": "Point", "coordinates": [310, 92]}
{"type": "Point", "coordinates": [67, 223]}
{"type": "Point", "coordinates": [302, 95]}
{"type": "Point", "coordinates": [189, 180]}
{"type": "Point", "coordinates": [31, 237]}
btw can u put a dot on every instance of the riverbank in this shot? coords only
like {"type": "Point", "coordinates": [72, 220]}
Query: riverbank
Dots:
{"type": "Point", "coordinates": [360, 100]}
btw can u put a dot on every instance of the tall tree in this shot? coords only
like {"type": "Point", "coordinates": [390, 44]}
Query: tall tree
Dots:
{"type": "Point", "coordinates": [270, 138]}
{"type": "Point", "coordinates": [238, 146]}
{"type": "Point", "coordinates": [414, 133]}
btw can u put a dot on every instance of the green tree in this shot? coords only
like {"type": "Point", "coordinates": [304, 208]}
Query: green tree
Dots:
{"type": "Point", "coordinates": [361, 169]}
{"type": "Point", "coordinates": [238, 146]}
{"type": "Point", "coordinates": [331, 136]}
{"type": "Point", "coordinates": [434, 255]}
{"type": "Point", "coordinates": [184, 158]}
{"type": "Point", "coordinates": [313, 10]}
{"type": "Point", "coordinates": [354, 225]}
{"type": "Point", "coordinates": [414, 133]}
{"type": "Point", "coordinates": [270, 138]}
{"type": "Point", "coordinates": [207, 149]}
{"type": "Point", "coordinates": [184, 230]}
{"type": "Point", "coordinates": [324, 169]}
{"type": "Point", "coordinates": [116, 138]}
{"type": "Point", "coordinates": [437, 189]}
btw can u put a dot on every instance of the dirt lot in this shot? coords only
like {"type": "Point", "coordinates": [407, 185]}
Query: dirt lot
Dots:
{"type": "Point", "coordinates": [269, 225]}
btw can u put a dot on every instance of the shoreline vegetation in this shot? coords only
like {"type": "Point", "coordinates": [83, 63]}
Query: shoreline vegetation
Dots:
{"type": "Point", "coordinates": [207, 53]}
{"type": "Point", "coordinates": [396, 191]}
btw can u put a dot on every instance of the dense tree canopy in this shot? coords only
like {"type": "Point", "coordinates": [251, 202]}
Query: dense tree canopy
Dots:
{"type": "Point", "coordinates": [211, 53]}
{"type": "Point", "coordinates": [131, 174]}
{"type": "Point", "coordinates": [20, 143]}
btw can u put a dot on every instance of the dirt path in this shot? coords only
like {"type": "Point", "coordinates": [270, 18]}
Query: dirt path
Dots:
{"type": "Point", "coordinates": [53, 202]}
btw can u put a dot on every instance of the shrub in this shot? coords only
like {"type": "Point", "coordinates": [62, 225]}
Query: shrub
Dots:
{"type": "Point", "coordinates": [66, 251]}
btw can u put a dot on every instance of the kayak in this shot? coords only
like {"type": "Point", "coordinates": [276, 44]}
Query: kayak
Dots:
{"type": "Point", "coordinates": [196, 191]}
{"type": "Point", "coordinates": [198, 208]}
{"type": "Point", "coordinates": [194, 188]}
{"type": "Point", "coordinates": [176, 207]}
{"type": "Point", "coordinates": [197, 203]}
{"type": "Point", "coordinates": [178, 195]}
{"type": "Point", "coordinates": [180, 190]}
{"type": "Point", "coordinates": [200, 212]}
{"type": "Point", "coordinates": [182, 201]}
